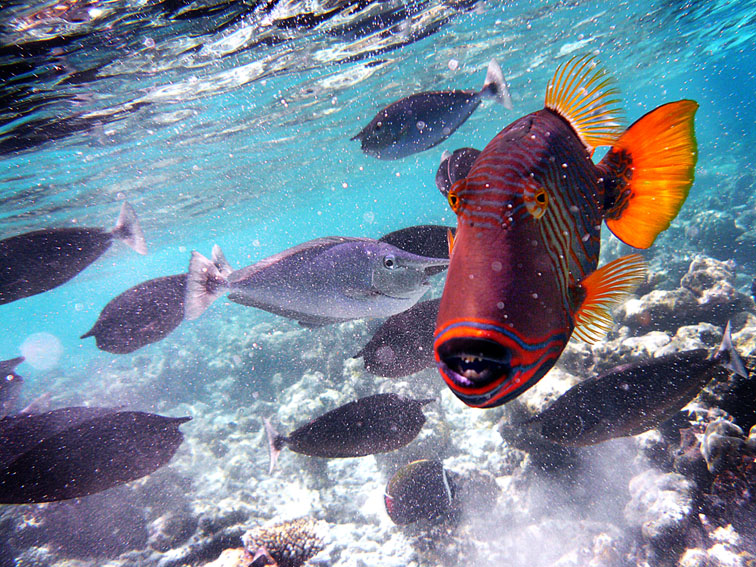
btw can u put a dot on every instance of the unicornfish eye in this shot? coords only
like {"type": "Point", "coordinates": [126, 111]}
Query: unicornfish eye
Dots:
{"type": "Point", "coordinates": [389, 262]}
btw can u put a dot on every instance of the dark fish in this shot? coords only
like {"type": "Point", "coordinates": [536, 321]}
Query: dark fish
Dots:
{"type": "Point", "coordinates": [141, 315]}
{"type": "Point", "coordinates": [430, 240]}
{"type": "Point", "coordinates": [631, 398]}
{"type": "Point", "coordinates": [327, 280]}
{"type": "Point", "coordinates": [38, 261]}
{"type": "Point", "coordinates": [753, 289]}
{"type": "Point", "coordinates": [523, 274]}
{"type": "Point", "coordinates": [77, 451]}
{"type": "Point", "coordinates": [145, 313]}
{"type": "Point", "coordinates": [403, 345]}
{"type": "Point", "coordinates": [454, 167]}
{"type": "Point", "coordinates": [421, 121]}
{"type": "Point", "coordinates": [10, 385]}
{"type": "Point", "coordinates": [375, 424]}
{"type": "Point", "coordinates": [421, 490]}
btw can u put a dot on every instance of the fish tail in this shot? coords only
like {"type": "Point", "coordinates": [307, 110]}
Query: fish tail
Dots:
{"type": "Point", "coordinates": [728, 356]}
{"type": "Point", "coordinates": [128, 230]}
{"type": "Point", "coordinates": [495, 86]}
{"type": "Point", "coordinates": [204, 284]}
{"type": "Point", "coordinates": [276, 442]}
{"type": "Point", "coordinates": [648, 173]}
{"type": "Point", "coordinates": [10, 365]}
{"type": "Point", "coordinates": [219, 259]}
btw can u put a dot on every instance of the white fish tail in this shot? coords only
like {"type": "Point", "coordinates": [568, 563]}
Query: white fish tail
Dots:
{"type": "Point", "coordinates": [729, 357]}
{"type": "Point", "coordinates": [275, 444]}
{"type": "Point", "coordinates": [495, 86]}
{"type": "Point", "coordinates": [219, 259]}
{"type": "Point", "coordinates": [128, 229]}
{"type": "Point", "coordinates": [204, 284]}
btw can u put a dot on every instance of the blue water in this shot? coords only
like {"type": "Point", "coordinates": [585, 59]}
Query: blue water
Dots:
{"type": "Point", "coordinates": [258, 165]}
{"type": "Point", "coordinates": [258, 160]}
{"type": "Point", "coordinates": [229, 123]}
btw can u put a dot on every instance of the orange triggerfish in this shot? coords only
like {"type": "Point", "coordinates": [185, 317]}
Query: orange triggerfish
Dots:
{"type": "Point", "coordinates": [523, 271]}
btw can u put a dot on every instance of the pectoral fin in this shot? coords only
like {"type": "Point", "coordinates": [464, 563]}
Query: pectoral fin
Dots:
{"type": "Point", "coordinates": [602, 290]}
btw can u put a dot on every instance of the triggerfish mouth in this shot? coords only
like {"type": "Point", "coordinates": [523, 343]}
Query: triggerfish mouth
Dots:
{"type": "Point", "coordinates": [523, 269]}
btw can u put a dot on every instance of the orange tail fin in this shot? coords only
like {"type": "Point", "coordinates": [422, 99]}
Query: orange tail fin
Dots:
{"type": "Point", "coordinates": [648, 173]}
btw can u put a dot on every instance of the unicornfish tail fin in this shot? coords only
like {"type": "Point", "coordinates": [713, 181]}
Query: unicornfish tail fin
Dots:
{"type": "Point", "coordinates": [648, 173]}
{"type": "Point", "coordinates": [495, 86]}
{"type": "Point", "coordinates": [204, 284]}
{"type": "Point", "coordinates": [128, 230]}
{"type": "Point", "coordinates": [728, 356]}
{"type": "Point", "coordinates": [276, 442]}
{"type": "Point", "coordinates": [219, 259]}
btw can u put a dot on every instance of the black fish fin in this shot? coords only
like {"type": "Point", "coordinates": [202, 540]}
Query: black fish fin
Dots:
{"type": "Point", "coordinates": [361, 353]}
{"type": "Point", "coordinates": [89, 333]}
{"type": "Point", "coordinates": [204, 284]}
{"type": "Point", "coordinates": [495, 86]}
{"type": "Point", "coordinates": [728, 356]}
{"type": "Point", "coordinates": [276, 442]}
{"type": "Point", "coordinates": [128, 230]}
{"type": "Point", "coordinates": [317, 322]}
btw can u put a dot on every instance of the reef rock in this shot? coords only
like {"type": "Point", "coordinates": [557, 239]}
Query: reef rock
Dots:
{"type": "Point", "coordinates": [661, 505]}
{"type": "Point", "coordinates": [707, 293]}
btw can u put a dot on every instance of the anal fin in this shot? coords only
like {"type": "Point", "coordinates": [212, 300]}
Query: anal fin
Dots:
{"type": "Point", "coordinates": [602, 290]}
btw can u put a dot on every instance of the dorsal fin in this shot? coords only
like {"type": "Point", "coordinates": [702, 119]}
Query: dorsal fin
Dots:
{"type": "Point", "coordinates": [603, 289]}
{"type": "Point", "coordinates": [583, 94]}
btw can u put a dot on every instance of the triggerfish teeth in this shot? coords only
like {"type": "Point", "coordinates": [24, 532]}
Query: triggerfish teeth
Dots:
{"type": "Point", "coordinates": [478, 361]}
{"type": "Point", "coordinates": [523, 276]}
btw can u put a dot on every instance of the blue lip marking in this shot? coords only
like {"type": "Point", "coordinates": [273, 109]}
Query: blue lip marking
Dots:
{"type": "Point", "coordinates": [503, 331]}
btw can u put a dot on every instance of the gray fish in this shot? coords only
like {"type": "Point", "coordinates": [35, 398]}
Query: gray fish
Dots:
{"type": "Point", "coordinates": [631, 398]}
{"type": "Point", "coordinates": [145, 313]}
{"type": "Point", "coordinates": [423, 120]}
{"type": "Point", "coordinates": [421, 490]}
{"type": "Point", "coordinates": [39, 261]}
{"type": "Point", "coordinates": [375, 424]}
{"type": "Point", "coordinates": [10, 385]}
{"type": "Point", "coordinates": [430, 240]}
{"type": "Point", "coordinates": [403, 345]}
{"type": "Point", "coordinates": [327, 280]}
{"type": "Point", "coordinates": [77, 451]}
{"type": "Point", "coordinates": [454, 167]}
